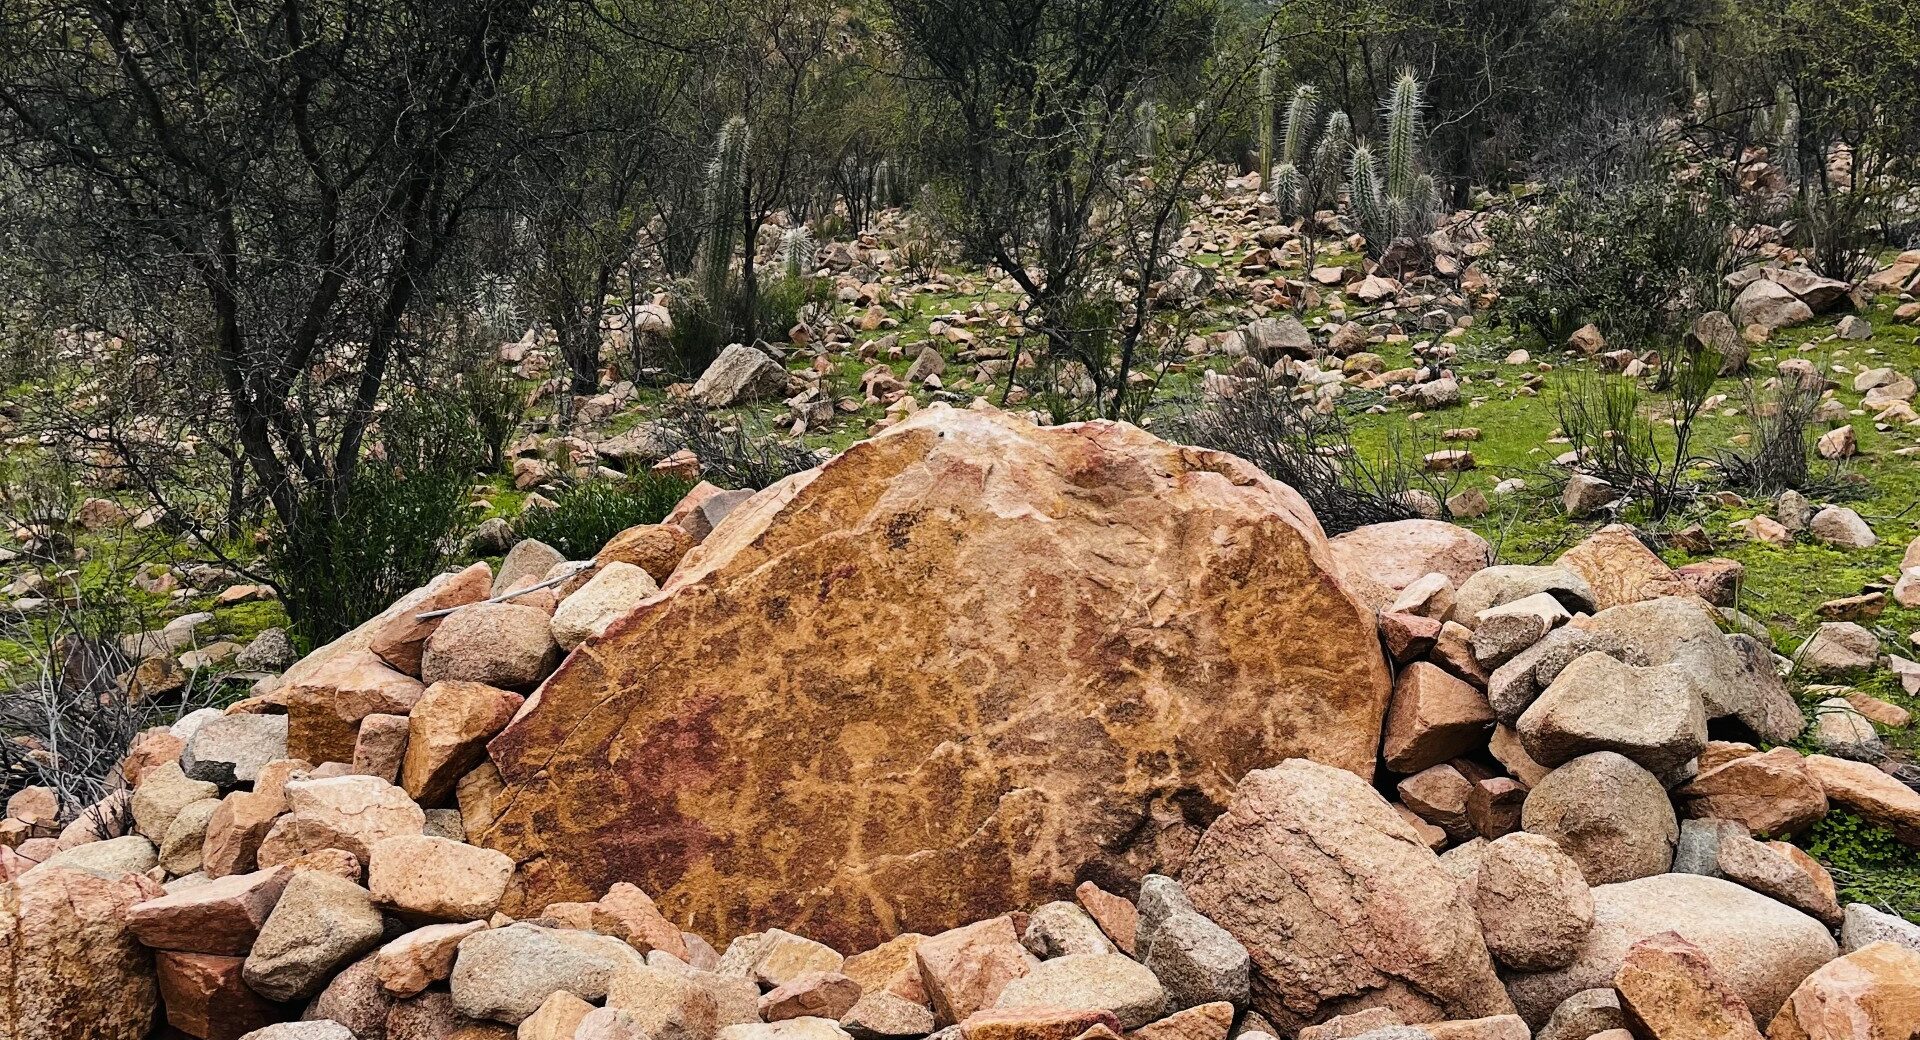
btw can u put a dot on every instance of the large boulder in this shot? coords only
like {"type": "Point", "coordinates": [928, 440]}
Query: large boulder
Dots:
{"type": "Point", "coordinates": [69, 967]}
{"type": "Point", "coordinates": [1340, 903]}
{"type": "Point", "coordinates": [957, 669]}
{"type": "Point", "coordinates": [1762, 948]}
{"type": "Point", "coordinates": [739, 374]}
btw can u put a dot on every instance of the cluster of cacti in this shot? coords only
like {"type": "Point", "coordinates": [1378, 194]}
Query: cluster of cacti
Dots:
{"type": "Point", "coordinates": [1397, 202]}
{"type": "Point", "coordinates": [1308, 172]}
{"type": "Point", "coordinates": [726, 177]}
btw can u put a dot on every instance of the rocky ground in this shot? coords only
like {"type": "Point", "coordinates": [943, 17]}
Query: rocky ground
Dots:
{"type": "Point", "coordinates": [1097, 736]}
{"type": "Point", "coordinates": [1094, 736]}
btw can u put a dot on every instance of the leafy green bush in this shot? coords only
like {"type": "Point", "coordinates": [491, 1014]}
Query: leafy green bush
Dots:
{"type": "Point", "coordinates": [587, 514]}
{"type": "Point", "coordinates": [349, 553]}
{"type": "Point", "coordinates": [1638, 256]}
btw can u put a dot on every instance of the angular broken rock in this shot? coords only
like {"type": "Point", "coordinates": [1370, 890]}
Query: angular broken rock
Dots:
{"type": "Point", "coordinates": [968, 558]}
{"type": "Point", "coordinates": [529, 558]}
{"type": "Point", "coordinates": [326, 703]}
{"type": "Point", "coordinates": [232, 748]}
{"type": "Point", "coordinates": [1438, 795]}
{"type": "Point", "coordinates": [1061, 929]}
{"type": "Point", "coordinates": [1607, 813]}
{"type": "Point", "coordinates": [1771, 793]}
{"type": "Point", "coordinates": [887, 1016]}
{"type": "Point", "coordinates": [965, 969]}
{"type": "Point", "coordinates": [1620, 569]}
{"type": "Point", "coordinates": [626, 913]}
{"type": "Point", "coordinates": [70, 969]}
{"type": "Point", "coordinates": [667, 1004]}
{"type": "Point", "coordinates": [614, 589]}
{"type": "Point", "coordinates": [1670, 990]}
{"type": "Point", "coordinates": [1494, 586]}
{"type": "Point", "coordinates": [205, 996]}
{"type": "Point", "coordinates": [223, 916]}
{"type": "Point", "coordinates": [781, 956]}
{"type": "Point", "coordinates": [355, 999]}
{"type": "Point", "coordinates": [1382, 560]}
{"type": "Point", "coordinates": [1762, 948]}
{"type": "Point", "coordinates": [1433, 717]}
{"type": "Point", "coordinates": [1533, 903]}
{"type": "Point", "coordinates": [1115, 915]}
{"type": "Point", "coordinates": [1050, 1023]}
{"type": "Point", "coordinates": [320, 923]}
{"type": "Point", "coordinates": [1837, 648]}
{"type": "Point", "coordinates": [1110, 982]}
{"type": "Point", "coordinates": [421, 957]}
{"type": "Point", "coordinates": [1587, 1013]}
{"type": "Point", "coordinates": [350, 813]}
{"type": "Point", "coordinates": [403, 638]}
{"type": "Point", "coordinates": [436, 878]}
{"type": "Point", "coordinates": [1870, 794]}
{"type": "Point", "coordinates": [447, 734]}
{"type": "Point", "coordinates": [654, 548]}
{"type": "Point", "coordinates": [818, 994]}
{"type": "Point", "coordinates": [1869, 994]}
{"type": "Point", "coordinates": [1863, 926]}
{"type": "Point", "coordinates": [1653, 716]}
{"type": "Point", "coordinates": [160, 797]}
{"type": "Point", "coordinates": [740, 373]}
{"type": "Point", "coordinates": [500, 644]}
{"type": "Point", "coordinates": [381, 745]}
{"type": "Point", "coordinates": [1405, 935]}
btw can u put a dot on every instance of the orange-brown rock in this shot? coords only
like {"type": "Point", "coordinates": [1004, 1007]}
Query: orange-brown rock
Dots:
{"type": "Point", "coordinates": [69, 968]}
{"type": "Point", "coordinates": [626, 913]}
{"type": "Point", "coordinates": [1116, 915]}
{"type": "Point", "coordinates": [153, 747]}
{"type": "Point", "coordinates": [965, 969]}
{"type": "Point", "coordinates": [1621, 569]}
{"type": "Point", "coordinates": [889, 968]}
{"type": "Point", "coordinates": [1872, 993]}
{"type": "Point", "coordinates": [1771, 793]}
{"type": "Point", "coordinates": [206, 998]}
{"type": "Point", "coordinates": [1204, 1022]}
{"type": "Point", "coordinates": [447, 735]}
{"type": "Point", "coordinates": [654, 548]}
{"type": "Point", "coordinates": [1036, 1023]}
{"type": "Point", "coordinates": [324, 709]}
{"type": "Point", "coordinates": [1670, 990]}
{"type": "Point", "coordinates": [1871, 793]}
{"type": "Point", "coordinates": [403, 638]}
{"type": "Point", "coordinates": [957, 669]}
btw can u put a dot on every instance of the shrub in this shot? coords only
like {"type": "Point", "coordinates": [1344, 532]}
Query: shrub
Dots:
{"type": "Point", "coordinates": [495, 404]}
{"type": "Point", "coordinates": [1638, 256]}
{"type": "Point", "coordinates": [1308, 451]}
{"type": "Point", "coordinates": [588, 513]}
{"type": "Point", "coordinates": [387, 531]}
{"type": "Point", "coordinates": [1781, 435]}
{"type": "Point", "coordinates": [1602, 418]}
{"type": "Point", "coordinates": [733, 457]}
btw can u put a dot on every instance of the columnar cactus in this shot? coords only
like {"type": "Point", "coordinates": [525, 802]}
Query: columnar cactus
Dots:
{"type": "Point", "coordinates": [726, 176]}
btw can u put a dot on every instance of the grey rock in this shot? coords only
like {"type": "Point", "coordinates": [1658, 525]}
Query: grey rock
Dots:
{"type": "Point", "coordinates": [1513, 686]}
{"type": "Point", "coordinates": [1651, 715]}
{"type": "Point", "coordinates": [130, 854]}
{"type": "Point", "coordinates": [232, 748]}
{"type": "Point", "coordinates": [529, 558]}
{"type": "Point", "coordinates": [1160, 898]}
{"type": "Point", "coordinates": [301, 1031]}
{"type": "Point", "coordinates": [270, 651]}
{"type": "Point", "coordinates": [1863, 926]}
{"type": "Point", "coordinates": [1270, 339]}
{"type": "Point", "coordinates": [1062, 929]}
{"type": "Point", "coordinates": [1197, 962]}
{"type": "Point", "coordinates": [739, 374]}
{"type": "Point", "coordinates": [504, 973]}
{"type": "Point", "coordinates": [1582, 1015]}
{"type": "Point", "coordinates": [1836, 648]}
{"type": "Point", "coordinates": [321, 922]}
{"type": "Point", "coordinates": [1494, 586]}
{"type": "Point", "coordinates": [1111, 982]}
{"type": "Point", "coordinates": [1612, 816]}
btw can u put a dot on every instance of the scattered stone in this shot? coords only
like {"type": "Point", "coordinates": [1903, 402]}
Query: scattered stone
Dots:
{"type": "Point", "coordinates": [740, 373]}
{"type": "Point", "coordinates": [1585, 496]}
{"type": "Point", "coordinates": [1870, 794]}
{"type": "Point", "coordinates": [1841, 527]}
{"type": "Point", "coordinates": [161, 795]}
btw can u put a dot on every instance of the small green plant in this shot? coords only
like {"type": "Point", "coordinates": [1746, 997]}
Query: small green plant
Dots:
{"type": "Point", "coordinates": [726, 175]}
{"type": "Point", "coordinates": [588, 513]}
{"type": "Point", "coordinates": [1648, 460]}
{"type": "Point", "coordinates": [1869, 865]}
{"type": "Point", "coordinates": [1289, 183]}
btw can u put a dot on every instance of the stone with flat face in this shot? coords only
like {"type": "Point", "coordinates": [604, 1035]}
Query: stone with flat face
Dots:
{"type": "Point", "coordinates": [959, 668]}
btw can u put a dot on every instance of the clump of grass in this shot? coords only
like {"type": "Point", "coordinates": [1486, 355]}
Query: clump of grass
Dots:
{"type": "Point", "coordinates": [588, 513]}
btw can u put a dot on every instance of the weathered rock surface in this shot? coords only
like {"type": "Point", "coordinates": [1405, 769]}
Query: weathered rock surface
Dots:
{"type": "Point", "coordinates": [1109, 982]}
{"type": "Point", "coordinates": [1035, 612]}
{"type": "Point", "coordinates": [1762, 948]}
{"type": "Point", "coordinates": [1670, 990]}
{"type": "Point", "coordinates": [1609, 814]}
{"type": "Point", "coordinates": [1339, 903]}
{"type": "Point", "coordinates": [1653, 716]}
{"type": "Point", "coordinates": [1871, 794]}
{"type": "Point", "coordinates": [503, 974]}
{"type": "Point", "coordinates": [1533, 903]}
{"type": "Point", "coordinates": [1381, 560]}
{"type": "Point", "coordinates": [325, 705]}
{"type": "Point", "coordinates": [69, 967]}
{"type": "Point", "coordinates": [1870, 994]}
{"type": "Point", "coordinates": [447, 736]}
{"type": "Point", "coordinates": [1771, 793]}
{"type": "Point", "coordinates": [320, 923]}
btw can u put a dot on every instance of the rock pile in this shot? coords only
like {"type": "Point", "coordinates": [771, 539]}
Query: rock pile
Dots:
{"type": "Point", "coordinates": [995, 733]}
